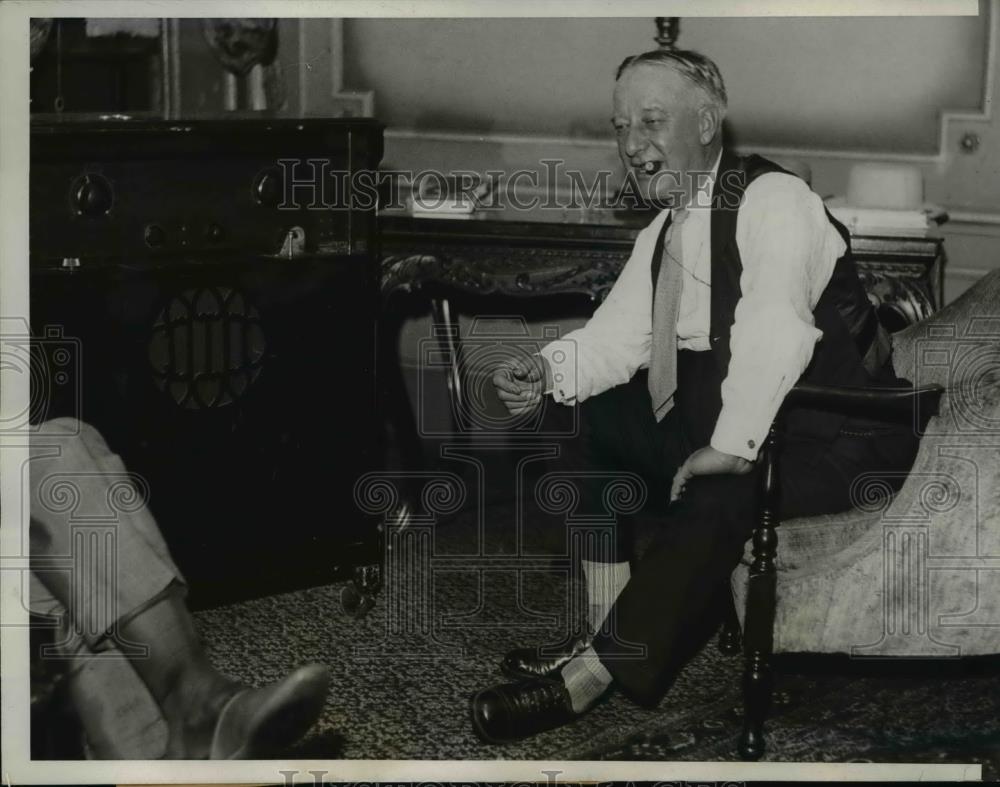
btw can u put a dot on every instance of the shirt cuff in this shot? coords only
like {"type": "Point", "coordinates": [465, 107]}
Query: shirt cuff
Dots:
{"type": "Point", "coordinates": [739, 434]}
{"type": "Point", "coordinates": [561, 355]}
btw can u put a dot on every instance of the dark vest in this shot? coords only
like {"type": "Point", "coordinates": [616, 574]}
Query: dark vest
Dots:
{"type": "Point", "coordinates": [844, 314]}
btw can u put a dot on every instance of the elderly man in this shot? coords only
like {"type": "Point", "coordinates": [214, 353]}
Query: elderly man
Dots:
{"type": "Point", "coordinates": [741, 286]}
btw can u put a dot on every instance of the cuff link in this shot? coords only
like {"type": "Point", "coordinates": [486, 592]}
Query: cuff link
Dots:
{"type": "Point", "coordinates": [751, 444]}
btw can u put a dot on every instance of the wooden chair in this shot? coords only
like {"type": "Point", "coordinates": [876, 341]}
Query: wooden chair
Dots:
{"type": "Point", "coordinates": [850, 566]}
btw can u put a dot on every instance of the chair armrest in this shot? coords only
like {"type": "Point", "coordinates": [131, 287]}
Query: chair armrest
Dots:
{"type": "Point", "coordinates": [871, 402]}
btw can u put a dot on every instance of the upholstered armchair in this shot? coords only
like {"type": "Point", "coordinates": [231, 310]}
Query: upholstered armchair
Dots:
{"type": "Point", "coordinates": [915, 574]}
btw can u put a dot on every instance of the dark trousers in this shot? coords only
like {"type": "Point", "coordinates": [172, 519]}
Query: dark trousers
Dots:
{"type": "Point", "coordinates": [673, 600]}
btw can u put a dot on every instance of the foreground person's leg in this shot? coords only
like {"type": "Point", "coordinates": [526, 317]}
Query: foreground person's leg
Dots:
{"type": "Point", "coordinates": [207, 713]}
{"type": "Point", "coordinates": [119, 717]}
{"type": "Point", "coordinates": [131, 597]}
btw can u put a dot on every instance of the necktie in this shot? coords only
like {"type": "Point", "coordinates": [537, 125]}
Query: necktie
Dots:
{"type": "Point", "coordinates": [666, 303]}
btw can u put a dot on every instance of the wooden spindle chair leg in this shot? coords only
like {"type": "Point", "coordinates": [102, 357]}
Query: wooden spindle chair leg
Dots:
{"type": "Point", "coordinates": [759, 623]}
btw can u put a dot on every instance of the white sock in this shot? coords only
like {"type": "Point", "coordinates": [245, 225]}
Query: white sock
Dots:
{"type": "Point", "coordinates": [605, 582]}
{"type": "Point", "coordinates": [586, 679]}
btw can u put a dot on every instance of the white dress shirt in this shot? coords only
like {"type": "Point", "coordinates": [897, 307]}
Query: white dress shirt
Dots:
{"type": "Point", "coordinates": [788, 248]}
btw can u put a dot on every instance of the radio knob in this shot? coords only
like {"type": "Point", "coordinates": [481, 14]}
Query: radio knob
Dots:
{"type": "Point", "coordinates": [267, 188]}
{"type": "Point", "coordinates": [92, 195]}
{"type": "Point", "coordinates": [154, 236]}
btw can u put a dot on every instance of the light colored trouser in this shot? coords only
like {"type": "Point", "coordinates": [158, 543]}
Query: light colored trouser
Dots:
{"type": "Point", "coordinates": [97, 558]}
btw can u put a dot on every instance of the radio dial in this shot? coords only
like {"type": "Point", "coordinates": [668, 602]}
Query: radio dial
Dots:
{"type": "Point", "coordinates": [154, 236]}
{"type": "Point", "coordinates": [267, 188]}
{"type": "Point", "coordinates": [93, 195]}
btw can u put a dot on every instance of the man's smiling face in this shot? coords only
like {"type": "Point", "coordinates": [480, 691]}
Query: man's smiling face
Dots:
{"type": "Point", "coordinates": [662, 129]}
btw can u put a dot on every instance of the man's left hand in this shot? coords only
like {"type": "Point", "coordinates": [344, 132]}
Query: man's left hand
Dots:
{"type": "Point", "coordinates": [707, 461]}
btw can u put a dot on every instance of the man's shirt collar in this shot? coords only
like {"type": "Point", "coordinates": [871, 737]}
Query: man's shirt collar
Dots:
{"type": "Point", "coordinates": [704, 186]}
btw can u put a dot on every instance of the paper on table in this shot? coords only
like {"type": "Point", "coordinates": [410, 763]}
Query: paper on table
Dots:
{"type": "Point", "coordinates": [441, 208]}
{"type": "Point", "coordinates": [866, 219]}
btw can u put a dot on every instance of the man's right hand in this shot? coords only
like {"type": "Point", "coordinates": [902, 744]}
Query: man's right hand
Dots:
{"type": "Point", "coordinates": [521, 383]}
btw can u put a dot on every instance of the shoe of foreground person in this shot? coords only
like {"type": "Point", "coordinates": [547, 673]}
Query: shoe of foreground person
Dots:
{"type": "Point", "coordinates": [260, 723]}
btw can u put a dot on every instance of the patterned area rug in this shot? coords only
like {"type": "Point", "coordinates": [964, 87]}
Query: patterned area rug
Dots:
{"type": "Point", "coordinates": [404, 673]}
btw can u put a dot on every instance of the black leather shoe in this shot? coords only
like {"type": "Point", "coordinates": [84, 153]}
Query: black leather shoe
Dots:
{"type": "Point", "coordinates": [518, 710]}
{"type": "Point", "coordinates": [543, 660]}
